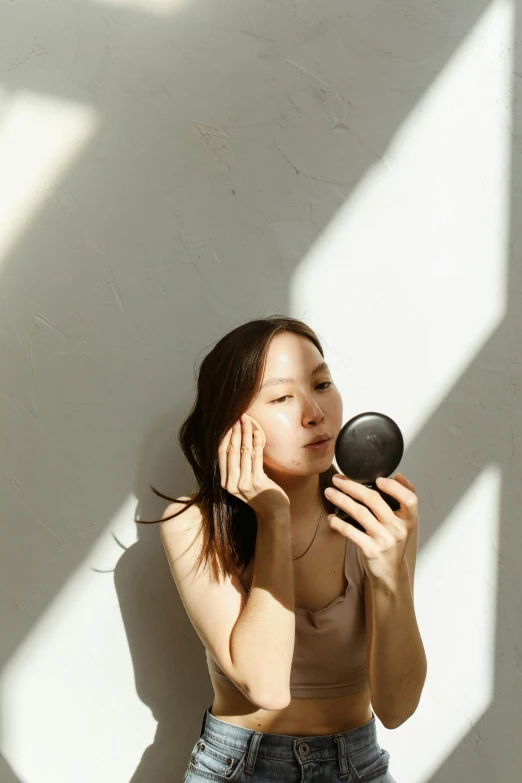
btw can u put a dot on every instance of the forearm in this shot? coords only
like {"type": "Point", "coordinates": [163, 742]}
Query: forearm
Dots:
{"type": "Point", "coordinates": [398, 663]}
{"type": "Point", "coordinates": [262, 642]}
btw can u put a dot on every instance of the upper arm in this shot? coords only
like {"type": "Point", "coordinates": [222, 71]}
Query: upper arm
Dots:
{"type": "Point", "coordinates": [410, 556]}
{"type": "Point", "coordinates": [213, 608]}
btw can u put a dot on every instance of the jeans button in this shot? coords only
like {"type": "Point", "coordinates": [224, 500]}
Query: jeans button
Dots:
{"type": "Point", "coordinates": [304, 749]}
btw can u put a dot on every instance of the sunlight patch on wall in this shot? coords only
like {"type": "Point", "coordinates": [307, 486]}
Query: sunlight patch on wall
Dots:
{"type": "Point", "coordinates": [413, 267]}
{"type": "Point", "coordinates": [456, 589]}
{"type": "Point", "coordinates": [74, 667]}
{"type": "Point", "coordinates": [40, 137]}
{"type": "Point", "coordinates": [151, 7]}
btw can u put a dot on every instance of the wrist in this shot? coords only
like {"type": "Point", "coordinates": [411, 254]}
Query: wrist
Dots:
{"type": "Point", "coordinates": [276, 518]}
{"type": "Point", "coordinates": [392, 584]}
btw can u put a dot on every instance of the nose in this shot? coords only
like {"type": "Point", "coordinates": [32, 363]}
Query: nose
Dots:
{"type": "Point", "coordinates": [313, 413]}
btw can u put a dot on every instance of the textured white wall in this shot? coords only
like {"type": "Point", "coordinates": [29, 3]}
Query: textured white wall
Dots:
{"type": "Point", "coordinates": [168, 170]}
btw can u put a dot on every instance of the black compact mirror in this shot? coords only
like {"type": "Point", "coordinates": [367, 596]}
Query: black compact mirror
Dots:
{"type": "Point", "coordinates": [368, 446]}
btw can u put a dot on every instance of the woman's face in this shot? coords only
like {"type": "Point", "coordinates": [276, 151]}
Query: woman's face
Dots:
{"type": "Point", "coordinates": [293, 412]}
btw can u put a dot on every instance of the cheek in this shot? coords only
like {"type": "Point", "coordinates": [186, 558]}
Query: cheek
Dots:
{"type": "Point", "coordinates": [279, 430]}
{"type": "Point", "coordinates": [336, 411]}
{"type": "Point", "coordinates": [277, 446]}
{"type": "Point", "coordinates": [280, 447]}
{"type": "Point", "coordinates": [279, 458]}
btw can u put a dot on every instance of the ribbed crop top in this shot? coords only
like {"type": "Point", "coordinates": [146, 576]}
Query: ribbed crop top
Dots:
{"type": "Point", "coordinates": [330, 644]}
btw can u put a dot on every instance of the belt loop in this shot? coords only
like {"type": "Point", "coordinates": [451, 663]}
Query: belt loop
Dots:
{"type": "Point", "coordinates": [340, 739]}
{"type": "Point", "coordinates": [251, 756]}
{"type": "Point", "coordinates": [203, 721]}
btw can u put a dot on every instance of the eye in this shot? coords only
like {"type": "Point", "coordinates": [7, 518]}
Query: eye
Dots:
{"type": "Point", "coordinates": [325, 383]}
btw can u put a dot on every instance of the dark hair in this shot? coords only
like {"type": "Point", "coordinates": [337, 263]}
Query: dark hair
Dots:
{"type": "Point", "coordinates": [230, 377]}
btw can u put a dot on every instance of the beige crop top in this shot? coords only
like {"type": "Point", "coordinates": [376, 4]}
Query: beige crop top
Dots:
{"type": "Point", "coordinates": [330, 644]}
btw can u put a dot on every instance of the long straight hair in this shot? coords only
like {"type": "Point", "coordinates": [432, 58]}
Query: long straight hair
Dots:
{"type": "Point", "coordinates": [228, 382]}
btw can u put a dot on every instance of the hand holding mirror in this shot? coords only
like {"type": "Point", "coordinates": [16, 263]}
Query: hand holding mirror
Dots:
{"type": "Point", "coordinates": [368, 446]}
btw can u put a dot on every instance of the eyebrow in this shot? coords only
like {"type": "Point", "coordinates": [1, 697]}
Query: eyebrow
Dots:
{"type": "Point", "coordinates": [275, 381]}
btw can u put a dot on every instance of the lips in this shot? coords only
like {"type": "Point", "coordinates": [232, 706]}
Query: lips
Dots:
{"type": "Point", "coordinates": [319, 439]}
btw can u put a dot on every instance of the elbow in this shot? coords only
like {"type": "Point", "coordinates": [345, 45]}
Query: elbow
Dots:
{"type": "Point", "coordinates": [274, 705]}
{"type": "Point", "coordinates": [270, 696]}
{"type": "Point", "coordinates": [403, 710]}
{"type": "Point", "coordinates": [391, 722]}
{"type": "Point", "coordinates": [273, 702]}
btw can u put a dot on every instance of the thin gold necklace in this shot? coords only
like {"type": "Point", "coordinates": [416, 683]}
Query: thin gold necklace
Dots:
{"type": "Point", "coordinates": [313, 539]}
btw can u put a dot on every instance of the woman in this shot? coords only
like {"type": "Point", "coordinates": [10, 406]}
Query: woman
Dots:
{"type": "Point", "coordinates": [308, 623]}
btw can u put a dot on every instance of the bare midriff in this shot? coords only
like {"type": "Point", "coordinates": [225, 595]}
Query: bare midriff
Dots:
{"type": "Point", "coordinates": [315, 588]}
{"type": "Point", "coordinates": [301, 718]}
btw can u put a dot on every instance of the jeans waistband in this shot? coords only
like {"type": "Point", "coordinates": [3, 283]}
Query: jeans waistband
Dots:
{"type": "Point", "coordinates": [284, 746]}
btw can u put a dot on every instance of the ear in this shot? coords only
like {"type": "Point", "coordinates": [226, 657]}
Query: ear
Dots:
{"type": "Point", "coordinates": [256, 425]}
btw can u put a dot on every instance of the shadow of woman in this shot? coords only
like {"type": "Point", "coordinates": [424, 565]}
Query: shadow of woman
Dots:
{"type": "Point", "coordinates": [7, 774]}
{"type": "Point", "coordinates": [170, 671]}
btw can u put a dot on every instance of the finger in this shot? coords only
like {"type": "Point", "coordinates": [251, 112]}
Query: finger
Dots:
{"type": "Point", "coordinates": [403, 494]}
{"type": "Point", "coordinates": [259, 428]}
{"type": "Point", "coordinates": [358, 511]}
{"type": "Point", "coordinates": [257, 460]}
{"type": "Point", "coordinates": [233, 457]}
{"type": "Point", "coordinates": [369, 497]}
{"type": "Point", "coordinates": [222, 457]}
{"type": "Point", "coordinates": [259, 441]}
{"type": "Point", "coordinates": [245, 477]}
{"type": "Point", "coordinates": [402, 478]}
{"type": "Point", "coordinates": [349, 531]}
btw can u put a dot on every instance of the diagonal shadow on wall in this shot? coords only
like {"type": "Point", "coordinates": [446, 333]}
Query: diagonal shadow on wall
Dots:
{"type": "Point", "coordinates": [201, 58]}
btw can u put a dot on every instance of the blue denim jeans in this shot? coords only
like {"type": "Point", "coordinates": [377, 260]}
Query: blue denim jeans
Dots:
{"type": "Point", "coordinates": [225, 752]}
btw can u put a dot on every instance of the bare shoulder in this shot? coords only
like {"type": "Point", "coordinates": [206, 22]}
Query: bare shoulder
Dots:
{"type": "Point", "coordinates": [190, 516]}
{"type": "Point", "coordinates": [181, 535]}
